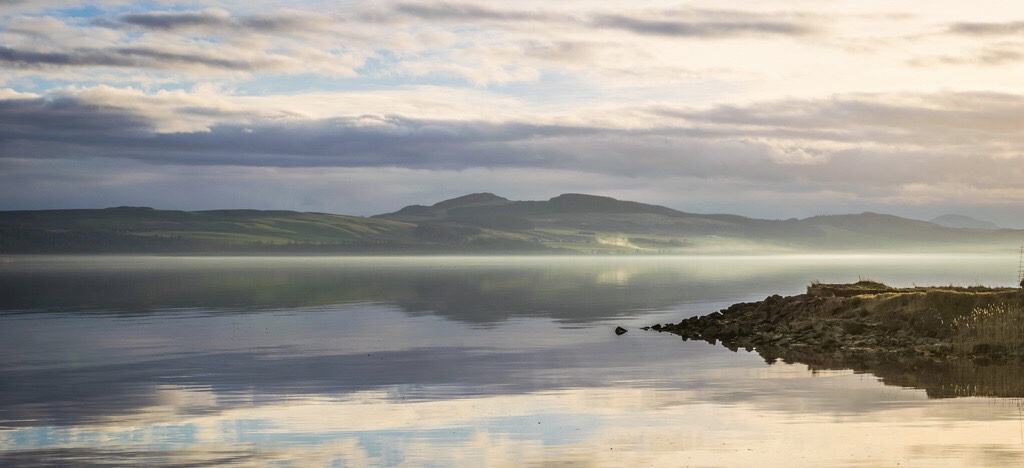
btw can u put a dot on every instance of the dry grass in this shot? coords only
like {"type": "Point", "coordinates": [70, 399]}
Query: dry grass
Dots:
{"type": "Point", "coordinates": [997, 326]}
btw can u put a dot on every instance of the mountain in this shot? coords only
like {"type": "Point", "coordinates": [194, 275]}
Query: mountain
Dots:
{"type": "Point", "coordinates": [445, 209]}
{"type": "Point", "coordinates": [143, 229]}
{"type": "Point", "coordinates": [599, 224]}
{"type": "Point", "coordinates": [477, 223]}
{"type": "Point", "coordinates": [962, 222]}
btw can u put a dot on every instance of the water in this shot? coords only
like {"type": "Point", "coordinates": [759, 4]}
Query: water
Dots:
{"type": "Point", "coordinates": [485, 361]}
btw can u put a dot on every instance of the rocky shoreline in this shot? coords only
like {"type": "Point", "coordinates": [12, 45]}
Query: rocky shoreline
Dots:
{"type": "Point", "coordinates": [868, 325]}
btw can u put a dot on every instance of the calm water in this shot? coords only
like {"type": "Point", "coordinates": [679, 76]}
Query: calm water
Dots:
{"type": "Point", "coordinates": [490, 361]}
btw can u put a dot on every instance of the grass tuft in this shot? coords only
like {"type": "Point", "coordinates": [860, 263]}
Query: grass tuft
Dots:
{"type": "Point", "coordinates": [992, 327]}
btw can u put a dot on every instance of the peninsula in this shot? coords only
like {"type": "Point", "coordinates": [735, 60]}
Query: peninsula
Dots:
{"type": "Point", "coordinates": [903, 335]}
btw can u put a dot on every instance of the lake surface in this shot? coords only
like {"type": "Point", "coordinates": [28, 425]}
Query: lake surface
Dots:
{"type": "Point", "coordinates": [483, 361]}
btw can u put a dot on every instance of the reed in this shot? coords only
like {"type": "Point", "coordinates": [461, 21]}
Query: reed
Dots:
{"type": "Point", "coordinates": [992, 327]}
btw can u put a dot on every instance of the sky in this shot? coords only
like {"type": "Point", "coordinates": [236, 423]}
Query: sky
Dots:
{"type": "Point", "coordinates": [765, 109]}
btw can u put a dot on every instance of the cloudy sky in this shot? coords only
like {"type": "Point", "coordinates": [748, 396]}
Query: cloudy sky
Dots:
{"type": "Point", "coordinates": [766, 109]}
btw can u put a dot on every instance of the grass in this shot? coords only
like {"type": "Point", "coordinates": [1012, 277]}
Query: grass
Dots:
{"type": "Point", "coordinates": [992, 327]}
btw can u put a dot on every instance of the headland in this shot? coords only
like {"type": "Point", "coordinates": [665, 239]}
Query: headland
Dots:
{"type": "Point", "coordinates": [903, 335]}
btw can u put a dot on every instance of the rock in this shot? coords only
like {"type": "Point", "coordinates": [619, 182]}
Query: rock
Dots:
{"type": "Point", "coordinates": [620, 330]}
{"type": "Point", "coordinates": [854, 327]}
{"type": "Point", "coordinates": [861, 326]}
{"type": "Point", "coordinates": [729, 332]}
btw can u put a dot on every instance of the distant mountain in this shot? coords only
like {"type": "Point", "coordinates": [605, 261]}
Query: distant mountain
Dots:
{"type": "Point", "coordinates": [481, 222]}
{"type": "Point", "coordinates": [962, 222]}
{"type": "Point", "coordinates": [444, 209]}
{"type": "Point", "coordinates": [596, 223]}
{"type": "Point", "coordinates": [143, 229]}
{"type": "Point", "coordinates": [575, 211]}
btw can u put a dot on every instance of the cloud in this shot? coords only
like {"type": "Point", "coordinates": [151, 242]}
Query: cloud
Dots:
{"type": "Point", "coordinates": [176, 20]}
{"type": "Point", "coordinates": [468, 12]}
{"type": "Point", "coordinates": [1005, 53]}
{"type": "Point", "coordinates": [475, 43]}
{"type": "Point", "coordinates": [61, 115]}
{"type": "Point", "coordinates": [682, 23]}
{"type": "Point", "coordinates": [135, 57]}
{"type": "Point", "coordinates": [104, 111]}
{"type": "Point", "coordinates": [183, 45]}
{"type": "Point", "coordinates": [986, 29]}
{"type": "Point", "coordinates": [890, 147]}
{"type": "Point", "coordinates": [798, 156]}
{"type": "Point", "coordinates": [703, 28]}
{"type": "Point", "coordinates": [190, 132]}
{"type": "Point", "coordinates": [280, 22]}
{"type": "Point", "coordinates": [185, 59]}
{"type": "Point", "coordinates": [982, 123]}
{"type": "Point", "coordinates": [638, 92]}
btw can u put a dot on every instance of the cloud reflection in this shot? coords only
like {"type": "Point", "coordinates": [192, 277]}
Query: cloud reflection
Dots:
{"type": "Point", "coordinates": [385, 362]}
{"type": "Point", "coordinates": [587, 426]}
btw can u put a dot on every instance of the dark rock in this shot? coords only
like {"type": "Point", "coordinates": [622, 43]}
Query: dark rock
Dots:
{"type": "Point", "coordinates": [928, 323]}
{"type": "Point", "coordinates": [986, 348]}
{"type": "Point", "coordinates": [854, 327]}
{"type": "Point", "coordinates": [729, 332]}
{"type": "Point", "coordinates": [620, 330]}
{"type": "Point", "coordinates": [865, 327]}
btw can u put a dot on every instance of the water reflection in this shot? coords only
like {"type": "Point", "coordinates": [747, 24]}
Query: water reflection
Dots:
{"type": "Point", "coordinates": [475, 290]}
{"type": "Point", "coordinates": [117, 366]}
{"type": "Point", "coordinates": [784, 425]}
{"type": "Point", "coordinates": [939, 379]}
{"type": "Point", "coordinates": [482, 290]}
{"type": "Point", "coordinates": [454, 362]}
{"type": "Point", "coordinates": [92, 457]}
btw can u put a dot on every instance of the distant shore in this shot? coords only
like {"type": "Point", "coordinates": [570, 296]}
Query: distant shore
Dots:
{"type": "Point", "coordinates": [867, 324]}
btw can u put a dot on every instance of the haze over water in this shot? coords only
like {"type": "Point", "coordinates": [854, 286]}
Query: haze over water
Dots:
{"type": "Point", "coordinates": [482, 361]}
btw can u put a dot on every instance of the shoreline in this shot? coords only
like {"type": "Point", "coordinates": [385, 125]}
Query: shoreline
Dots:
{"type": "Point", "coordinates": [867, 324]}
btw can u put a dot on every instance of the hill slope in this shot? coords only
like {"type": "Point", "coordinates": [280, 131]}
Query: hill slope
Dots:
{"type": "Point", "coordinates": [144, 230]}
{"type": "Point", "coordinates": [481, 222]}
{"type": "Point", "coordinates": [600, 224]}
{"type": "Point", "coordinates": [962, 222]}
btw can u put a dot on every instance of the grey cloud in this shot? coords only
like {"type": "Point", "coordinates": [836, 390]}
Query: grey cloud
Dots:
{"type": "Point", "coordinates": [687, 23]}
{"type": "Point", "coordinates": [62, 117]}
{"type": "Point", "coordinates": [127, 57]}
{"type": "Point", "coordinates": [49, 127]}
{"type": "Point", "coordinates": [994, 55]}
{"type": "Point", "coordinates": [280, 23]}
{"type": "Point", "coordinates": [169, 21]}
{"type": "Point", "coordinates": [160, 57]}
{"type": "Point", "coordinates": [24, 57]}
{"type": "Point", "coordinates": [701, 28]}
{"type": "Point", "coordinates": [957, 119]}
{"type": "Point", "coordinates": [562, 51]}
{"type": "Point", "coordinates": [987, 29]}
{"type": "Point", "coordinates": [885, 142]}
{"type": "Point", "coordinates": [286, 22]}
{"type": "Point", "coordinates": [458, 12]}
{"type": "Point", "coordinates": [90, 131]}
{"type": "Point", "coordinates": [1000, 56]}
{"type": "Point", "coordinates": [957, 139]}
